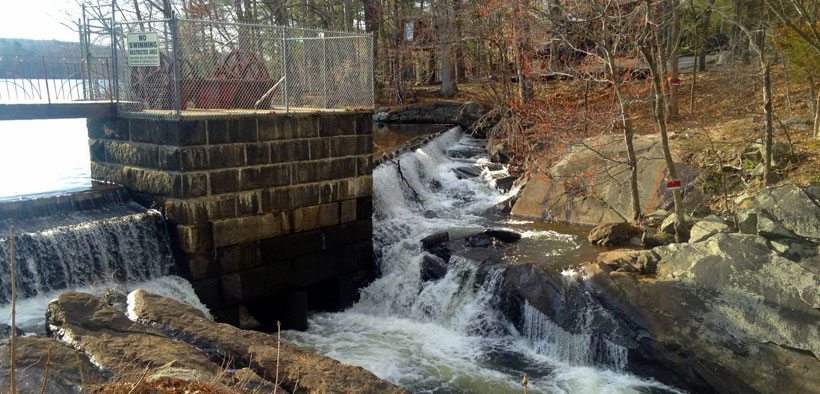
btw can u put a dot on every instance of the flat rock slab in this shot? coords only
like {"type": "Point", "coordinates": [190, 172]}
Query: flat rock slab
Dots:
{"type": "Point", "coordinates": [116, 343]}
{"type": "Point", "coordinates": [299, 369]}
{"type": "Point", "coordinates": [68, 369]}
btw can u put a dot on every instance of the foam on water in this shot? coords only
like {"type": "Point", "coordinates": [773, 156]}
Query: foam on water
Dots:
{"type": "Point", "coordinates": [447, 335]}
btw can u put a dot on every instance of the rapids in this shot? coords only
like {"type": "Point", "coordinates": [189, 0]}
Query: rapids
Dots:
{"type": "Point", "coordinates": [448, 336]}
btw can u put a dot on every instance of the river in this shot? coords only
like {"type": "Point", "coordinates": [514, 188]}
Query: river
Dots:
{"type": "Point", "coordinates": [448, 336]}
{"type": "Point", "coordinates": [441, 336]}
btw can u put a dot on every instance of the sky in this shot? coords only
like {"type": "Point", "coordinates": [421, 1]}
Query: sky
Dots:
{"type": "Point", "coordinates": [36, 19]}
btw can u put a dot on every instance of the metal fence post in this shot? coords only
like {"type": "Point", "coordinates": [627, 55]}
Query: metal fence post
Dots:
{"type": "Point", "coordinates": [285, 68]}
{"type": "Point", "coordinates": [324, 70]}
{"type": "Point", "coordinates": [45, 76]}
{"type": "Point", "coordinates": [174, 59]}
{"type": "Point", "coordinates": [372, 73]}
{"type": "Point", "coordinates": [115, 97]}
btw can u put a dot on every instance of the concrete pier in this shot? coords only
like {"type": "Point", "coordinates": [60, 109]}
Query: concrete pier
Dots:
{"type": "Point", "coordinates": [270, 214]}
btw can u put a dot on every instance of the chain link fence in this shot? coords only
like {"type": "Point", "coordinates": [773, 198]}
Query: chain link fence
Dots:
{"type": "Point", "coordinates": [184, 66]}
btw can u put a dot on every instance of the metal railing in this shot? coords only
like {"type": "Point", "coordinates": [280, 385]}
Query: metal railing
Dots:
{"type": "Point", "coordinates": [43, 79]}
{"type": "Point", "coordinates": [220, 67]}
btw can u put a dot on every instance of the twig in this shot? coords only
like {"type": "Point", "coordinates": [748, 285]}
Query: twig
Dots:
{"type": "Point", "coordinates": [142, 378]}
{"type": "Point", "coordinates": [278, 346]}
{"type": "Point", "coordinates": [13, 313]}
{"type": "Point", "coordinates": [45, 374]}
{"type": "Point", "coordinates": [80, 368]}
{"type": "Point", "coordinates": [406, 182]}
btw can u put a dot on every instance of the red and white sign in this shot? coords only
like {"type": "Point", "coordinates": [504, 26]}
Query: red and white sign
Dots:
{"type": "Point", "coordinates": [674, 184]}
{"type": "Point", "coordinates": [674, 82]}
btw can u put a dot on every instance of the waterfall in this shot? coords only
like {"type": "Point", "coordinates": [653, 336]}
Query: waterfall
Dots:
{"type": "Point", "coordinates": [449, 335]}
{"type": "Point", "coordinates": [118, 246]}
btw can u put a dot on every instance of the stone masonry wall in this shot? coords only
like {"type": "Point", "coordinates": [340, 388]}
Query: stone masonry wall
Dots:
{"type": "Point", "coordinates": [271, 215]}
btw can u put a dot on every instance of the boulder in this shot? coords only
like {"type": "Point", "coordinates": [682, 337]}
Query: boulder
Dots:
{"type": "Point", "coordinates": [791, 206]}
{"type": "Point", "coordinates": [707, 227]}
{"type": "Point", "coordinates": [116, 343]}
{"type": "Point", "coordinates": [613, 234]}
{"type": "Point", "coordinates": [652, 237]}
{"type": "Point", "coordinates": [505, 184]}
{"type": "Point", "coordinates": [68, 369]}
{"type": "Point", "coordinates": [432, 268]}
{"type": "Point", "coordinates": [564, 193]}
{"type": "Point", "coordinates": [705, 334]}
{"type": "Point", "coordinates": [299, 370]}
{"type": "Point", "coordinates": [506, 236]}
{"type": "Point", "coordinates": [668, 224]}
{"type": "Point", "coordinates": [467, 172]}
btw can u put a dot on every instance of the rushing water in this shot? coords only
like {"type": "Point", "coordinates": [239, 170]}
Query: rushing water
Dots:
{"type": "Point", "coordinates": [447, 336]}
{"type": "Point", "coordinates": [120, 247]}
{"type": "Point", "coordinates": [39, 157]}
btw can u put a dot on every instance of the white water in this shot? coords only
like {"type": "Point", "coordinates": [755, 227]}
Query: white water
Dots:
{"type": "Point", "coordinates": [120, 247]}
{"type": "Point", "coordinates": [446, 335]}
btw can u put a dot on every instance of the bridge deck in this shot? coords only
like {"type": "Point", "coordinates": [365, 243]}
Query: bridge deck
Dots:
{"type": "Point", "coordinates": [73, 109]}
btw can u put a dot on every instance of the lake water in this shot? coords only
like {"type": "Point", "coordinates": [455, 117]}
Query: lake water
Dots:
{"type": "Point", "coordinates": [43, 157]}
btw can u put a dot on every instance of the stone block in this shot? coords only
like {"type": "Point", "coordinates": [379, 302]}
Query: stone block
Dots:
{"type": "Point", "coordinates": [193, 158]}
{"type": "Point", "coordinates": [224, 181]}
{"type": "Point", "coordinates": [289, 151]}
{"type": "Point", "coordinates": [348, 234]}
{"type": "Point", "coordinates": [348, 210]}
{"type": "Point", "coordinates": [276, 128]}
{"type": "Point", "coordinates": [246, 229]}
{"type": "Point", "coordinates": [201, 265]}
{"type": "Point", "coordinates": [232, 130]}
{"type": "Point", "coordinates": [364, 166]}
{"type": "Point", "coordinates": [108, 128]}
{"type": "Point", "coordinates": [356, 187]}
{"type": "Point", "coordinates": [169, 158]}
{"type": "Point", "coordinates": [248, 203]}
{"type": "Point", "coordinates": [344, 146]}
{"type": "Point", "coordinates": [349, 286]}
{"type": "Point", "coordinates": [320, 148]}
{"type": "Point", "coordinates": [154, 132]}
{"type": "Point", "coordinates": [364, 124]}
{"type": "Point", "coordinates": [364, 144]}
{"type": "Point", "coordinates": [305, 270]}
{"type": "Point", "coordinates": [257, 153]}
{"type": "Point", "coordinates": [191, 132]}
{"type": "Point", "coordinates": [328, 214]}
{"type": "Point", "coordinates": [194, 184]}
{"type": "Point", "coordinates": [209, 292]}
{"type": "Point", "coordinates": [192, 238]}
{"type": "Point", "coordinates": [96, 149]}
{"type": "Point", "coordinates": [304, 195]}
{"type": "Point", "coordinates": [291, 246]}
{"type": "Point", "coordinates": [131, 154]}
{"type": "Point", "coordinates": [264, 176]}
{"type": "Point", "coordinates": [146, 181]}
{"type": "Point", "coordinates": [181, 211]}
{"type": "Point", "coordinates": [296, 311]}
{"type": "Point", "coordinates": [275, 199]}
{"type": "Point", "coordinates": [226, 156]}
{"type": "Point", "coordinates": [328, 192]}
{"type": "Point", "coordinates": [358, 257]}
{"type": "Point", "coordinates": [364, 208]}
{"type": "Point", "coordinates": [304, 172]}
{"type": "Point", "coordinates": [239, 257]}
{"type": "Point", "coordinates": [256, 283]}
{"type": "Point", "coordinates": [331, 125]}
{"type": "Point", "coordinates": [307, 125]}
{"type": "Point", "coordinates": [337, 168]}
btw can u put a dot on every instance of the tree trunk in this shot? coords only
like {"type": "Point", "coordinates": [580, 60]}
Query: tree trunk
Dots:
{"type": "Point", "coordinates": [646, 51]}
{"type": "Point", "coordinates": [767, 111]}
{"type": "Point", "coordinates": [443, 12]}
{"type": "Point", "coordinates": [704, 30]}
{"type": "Point", "coordinates": [674, 69]}
{"type": "Point", "coordinates": [630, 153]}
{"type": "Point", "coordinates": [523, 51]}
